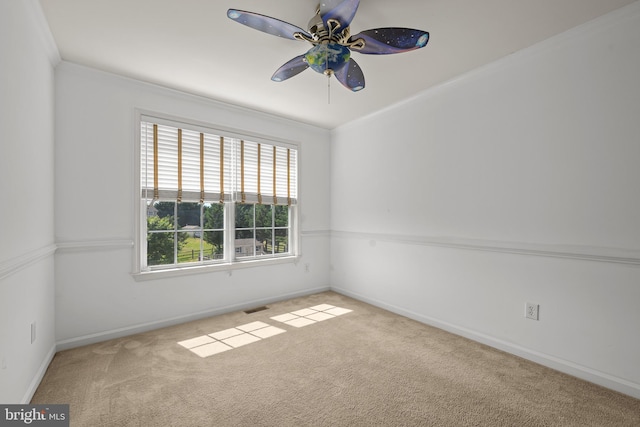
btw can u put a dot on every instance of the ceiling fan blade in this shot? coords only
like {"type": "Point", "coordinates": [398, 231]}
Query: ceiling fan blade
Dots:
{"type": "Point", "coordinates": [266, 24]}
{"type": "Point", "coordinates": [343, 13]}
{"type": "Point", "coordinates": [384, 41]}
{"type": "Point", "coordinates": [290, 69]}
{"type": "Point", "coordinates": [327, 5]}
{"type": "Point", "coordinates": [351, 76]}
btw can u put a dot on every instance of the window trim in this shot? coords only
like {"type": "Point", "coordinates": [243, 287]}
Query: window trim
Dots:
{"type": "Point", "coordinates": [230, 263]}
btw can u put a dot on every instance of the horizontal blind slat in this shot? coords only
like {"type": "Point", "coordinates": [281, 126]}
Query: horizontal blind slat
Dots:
{"type": "Point", "coordinates": [205, 175]}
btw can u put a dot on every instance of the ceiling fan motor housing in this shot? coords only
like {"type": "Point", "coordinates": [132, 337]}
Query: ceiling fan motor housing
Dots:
{"type": "Point", "coordinates": [316, 25]}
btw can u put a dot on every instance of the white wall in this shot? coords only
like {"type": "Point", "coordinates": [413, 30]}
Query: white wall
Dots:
{"type": "Point", "coordinates": [521, 175]}
{"type": "Point", "coordinates": [517, 182]}
{"type": "Point", "coordinates": [27, 60]}
{"type": "Point", "coordinates": [96, 296]}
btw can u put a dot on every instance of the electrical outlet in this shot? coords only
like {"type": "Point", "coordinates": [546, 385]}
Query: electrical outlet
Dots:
{"type": "Point", "coordinates": [33, 332]}
{"type": "Point", "coordinates": [531, 311]}
{"type": "Point", "coordinates": [3, 362]}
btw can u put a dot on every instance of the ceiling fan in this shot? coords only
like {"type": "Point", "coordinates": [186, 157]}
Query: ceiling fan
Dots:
{"type": "Point", "coordinates": [329, 33]}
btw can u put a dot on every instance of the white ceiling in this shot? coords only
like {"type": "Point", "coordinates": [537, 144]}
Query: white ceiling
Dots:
{"type": "Point", "coordinates": [192, 46]}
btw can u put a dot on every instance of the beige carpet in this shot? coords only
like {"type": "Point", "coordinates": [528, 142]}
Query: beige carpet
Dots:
{"type": "Point", "coordinates": [367, 367]}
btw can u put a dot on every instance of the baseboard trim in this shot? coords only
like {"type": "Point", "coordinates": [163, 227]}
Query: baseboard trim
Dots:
{"type": "Point", "coordinates": [587, 253]}
{"type": "Point", "coordinates": [144, 327]}
{"type": "Point", "coordinates": [37, 378]}
{"type": "Point", "coordinates": [594, 376]}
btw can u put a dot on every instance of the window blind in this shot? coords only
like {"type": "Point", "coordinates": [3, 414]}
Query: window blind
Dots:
{"type": "Point", "coordinates": [267, 173]}
{"type": "Point", "coordinates": [183, 164]}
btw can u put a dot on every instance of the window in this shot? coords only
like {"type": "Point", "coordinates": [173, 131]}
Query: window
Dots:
{"type": "Point", "coordinates": [179, 233]}
{"type": "Point", "coordinates": [213, 198]}
{"type": "Point", "coordinates": [264, 228]}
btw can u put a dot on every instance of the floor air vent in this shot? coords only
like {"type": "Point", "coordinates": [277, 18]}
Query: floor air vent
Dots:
{"type": "Point", "coordinates": [255, 310]}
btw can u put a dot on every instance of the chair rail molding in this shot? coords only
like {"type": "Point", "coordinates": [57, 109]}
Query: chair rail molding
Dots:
{"type": "Point", "coordinates": [13, 265]}
{"type": "Point", "coordinates": [93, 245]}
{"type": "Point", "coordinates": [588, 253]}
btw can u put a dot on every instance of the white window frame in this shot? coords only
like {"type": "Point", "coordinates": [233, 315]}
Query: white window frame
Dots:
{"type": "Point", "coordinates": [230, 262]}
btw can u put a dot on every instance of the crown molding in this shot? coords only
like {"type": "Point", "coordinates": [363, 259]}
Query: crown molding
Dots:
{"type": "Point", "coordinates": [44, 32]}
{"type": "Point", "coordinates": [604, 22]}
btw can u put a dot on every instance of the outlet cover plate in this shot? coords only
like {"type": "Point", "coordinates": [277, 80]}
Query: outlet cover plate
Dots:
{"type": "Point", "coordinates": [532, 311]}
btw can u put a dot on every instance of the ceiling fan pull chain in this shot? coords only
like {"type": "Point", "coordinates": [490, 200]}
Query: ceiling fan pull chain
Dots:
{"type": "Point", "coordinates": [328, 73]}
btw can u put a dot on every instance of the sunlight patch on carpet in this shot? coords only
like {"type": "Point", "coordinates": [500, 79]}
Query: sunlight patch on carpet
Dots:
{"type": "Point", "coordinates": [311, 315]}
{"type": "Point", "coordinates": [228, 339]}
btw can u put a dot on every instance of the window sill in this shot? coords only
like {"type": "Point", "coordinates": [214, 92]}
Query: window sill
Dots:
{"type": "Point", "coordinates": [213, 268]}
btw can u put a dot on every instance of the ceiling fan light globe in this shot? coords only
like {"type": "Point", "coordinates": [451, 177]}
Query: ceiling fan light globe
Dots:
{"type": "Point", "coordinates": [331, 56]}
